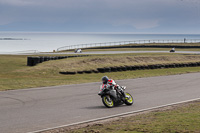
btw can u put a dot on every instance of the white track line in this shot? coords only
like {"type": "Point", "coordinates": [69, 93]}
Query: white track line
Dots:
{"type": "Point", "coordinates": [112, 116]}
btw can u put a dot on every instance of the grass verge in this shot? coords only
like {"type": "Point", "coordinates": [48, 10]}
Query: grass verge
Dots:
{"type": "Point", "coordinates": [14, 74]}
{"type": "Point", "coordinates": [99, 61]}
{"type": "Point", "coordinates": [177, 119]}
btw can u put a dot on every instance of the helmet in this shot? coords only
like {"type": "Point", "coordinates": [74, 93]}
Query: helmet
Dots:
{"type": "Point", "coordinates": [104, 79]}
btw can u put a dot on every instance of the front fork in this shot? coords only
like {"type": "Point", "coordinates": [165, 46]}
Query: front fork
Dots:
{"type": "Point", "coordinates": [108, 97]}
{"type": "Point", "coordinates": [121, 92]}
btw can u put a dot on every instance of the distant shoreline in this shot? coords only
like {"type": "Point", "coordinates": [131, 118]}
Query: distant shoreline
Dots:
{"type": "Point", "coordinates": [22, 41]}
{"type": "Point", "coordinates": [13, 39]}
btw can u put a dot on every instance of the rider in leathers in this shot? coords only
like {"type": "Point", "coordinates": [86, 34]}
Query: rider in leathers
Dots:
{"type": "Point", "coordinates": [109, 83]}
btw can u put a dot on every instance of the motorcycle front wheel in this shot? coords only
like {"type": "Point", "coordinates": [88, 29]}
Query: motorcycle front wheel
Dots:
{"type": "Point", "coordinates": [107, 101]}
{"type": "Point", "coordinates": [129, 100]}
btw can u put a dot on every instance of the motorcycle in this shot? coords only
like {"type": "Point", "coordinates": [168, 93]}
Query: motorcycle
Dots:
{"type": "Point", "coordinates": [172, 51]}
{"type": "Point", "coordinates": [112, 97]}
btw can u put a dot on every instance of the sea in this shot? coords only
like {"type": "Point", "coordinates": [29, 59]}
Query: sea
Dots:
{"type": "Point", "coordinates": [49, 41]}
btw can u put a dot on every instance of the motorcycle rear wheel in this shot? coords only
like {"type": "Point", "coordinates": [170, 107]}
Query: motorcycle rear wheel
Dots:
{"type": "Point", "coordinates": [130, 100]}
{"type": "Point", "coordinates": [107, 101]}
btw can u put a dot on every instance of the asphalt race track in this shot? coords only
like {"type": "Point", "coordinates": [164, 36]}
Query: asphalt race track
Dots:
{"type": "Point", "coordinates": [29, 110]}
{"type": "Point", "coordinates": [124, 52]}
{"type": "Point", "coordinates": [106, 52]}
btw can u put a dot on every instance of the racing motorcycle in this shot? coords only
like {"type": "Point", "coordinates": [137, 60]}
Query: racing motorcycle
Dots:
{"type": "Point", "coordinates": [112, 97]}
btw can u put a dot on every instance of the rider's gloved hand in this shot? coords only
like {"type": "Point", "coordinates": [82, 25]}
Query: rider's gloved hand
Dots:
{"type": "Point", "coordinates": [109, 86]}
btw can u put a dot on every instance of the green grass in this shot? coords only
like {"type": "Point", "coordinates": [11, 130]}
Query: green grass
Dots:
{"type": "Point", "coordinates": [182, 119]}
{"type": "Point", "coordinates": [99, 61]}
{"type": "Point", "coordinates": [14, 74]}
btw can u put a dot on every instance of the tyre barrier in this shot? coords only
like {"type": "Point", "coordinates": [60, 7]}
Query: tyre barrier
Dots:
{"type": "Point", "coordinates": [151, 66]}
{"type": "Point", "coordinates": [80, 72]}
{"type": "Point", "coordinates": [113, 69]}
{"type": "Point", "coordinates": [88, 72]}
{"type": "Point", "coordinates": [159, 66]}
{"type": "Point", "coordinates": [128, 68]}
{"type": "Point", "coordinates": [95, 71]}
{"type": "Point", "coordinates": [119, 69]}
{"type": "Point", "coordinates": [101, 70]}
{"type": "Point", "coordinates": [29, 61]}
{"type": "Point", "coordinates": [124, 68]}
{"type": "Point", "coordinates": [145, 67]}
{"type": "Point", "coordinates": [176, 65]}
{"type": "Point", "coordinates": [68, 73]}
{"type": "Point", "coordinates": [134, 68]}
{"type": "Point", "coordinates": [137, 67]}
{"type": "Point", "coordinates": [32, 61]}
{"type": "Point", "coordinates": [41, 59]}
{"type": "Point", "coordinates": [142, 67]}
{"type": "Point", "coordinates": [107, 69]}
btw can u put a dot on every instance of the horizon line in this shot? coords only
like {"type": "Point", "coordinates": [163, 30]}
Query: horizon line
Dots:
{"type": "Point", "coordinates": [96, 32]}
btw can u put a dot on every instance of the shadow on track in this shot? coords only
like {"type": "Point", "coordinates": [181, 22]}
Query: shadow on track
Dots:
{"type": "Point", "coordinates": [96, 107]}
{"type": "Point", "coordinates": [103, 107]}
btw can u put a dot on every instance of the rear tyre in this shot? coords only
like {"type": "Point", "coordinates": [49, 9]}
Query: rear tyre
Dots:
{"type": "Point", "coordinates": [129, 100]}
{"type": "Point", "coordinates": [107, 101]}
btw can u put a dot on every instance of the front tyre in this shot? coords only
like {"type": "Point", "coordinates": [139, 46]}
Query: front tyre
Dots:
{"type": "Point", "coordinates": [107, 101]}
{"type": "Point", "coordinates": [129, 99]}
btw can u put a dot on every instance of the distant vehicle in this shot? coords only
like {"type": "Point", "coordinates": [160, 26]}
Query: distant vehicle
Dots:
{"type": "Point", "coordinates": [78, 50]}
{"type": "Point", "coordinates": [112, 97]}
{"type": "Point", "coordinates": [172, 50]}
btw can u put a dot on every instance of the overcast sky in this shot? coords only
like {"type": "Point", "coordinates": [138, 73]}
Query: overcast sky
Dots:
{"type": "Point", "coordinates": [137, 16]}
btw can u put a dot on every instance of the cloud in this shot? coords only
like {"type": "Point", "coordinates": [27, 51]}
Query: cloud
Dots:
{"type": "Point", "coordinates": [135, 14]}
{"type": "Point", "coordinates": [17, 2]}
{"type": "Point", "coordinates": [137, 23]}
{"type": "Point", "coordinates": [145, 24]}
